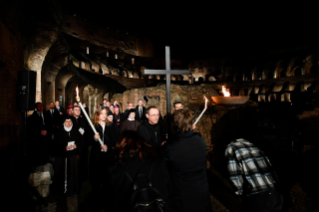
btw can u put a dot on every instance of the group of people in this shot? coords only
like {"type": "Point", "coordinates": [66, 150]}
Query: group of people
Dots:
{"type": "Point", "coordinates": [133, 142]}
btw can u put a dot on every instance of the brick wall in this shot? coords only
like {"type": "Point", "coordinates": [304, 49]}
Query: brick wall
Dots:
{"type": "Point", "coordinates": [11, 61]}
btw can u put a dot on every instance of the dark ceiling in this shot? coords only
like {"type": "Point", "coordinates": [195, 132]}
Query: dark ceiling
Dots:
{"type": "Point", "coordinates": [198, 31]}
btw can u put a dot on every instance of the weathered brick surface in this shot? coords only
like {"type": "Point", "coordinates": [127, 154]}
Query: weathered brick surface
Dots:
{"type": "Point", "coordinates": [11, 61]}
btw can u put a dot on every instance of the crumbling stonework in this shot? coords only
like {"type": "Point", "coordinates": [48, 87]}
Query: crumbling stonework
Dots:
{"type": "Point", "coordinates": [192, 98]}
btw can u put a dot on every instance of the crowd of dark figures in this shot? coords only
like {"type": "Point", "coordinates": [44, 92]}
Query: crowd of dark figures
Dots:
{"type": "Point", "coordinates": [132, 160]}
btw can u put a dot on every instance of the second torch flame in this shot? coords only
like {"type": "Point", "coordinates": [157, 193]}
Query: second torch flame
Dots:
{"type": "Point", "coordinates": [77, 92]}
{"type": "Point", "coordinates": [225, 91]}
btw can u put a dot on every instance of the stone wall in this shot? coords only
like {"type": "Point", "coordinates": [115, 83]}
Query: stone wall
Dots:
{"type": "Point", "coordinates": [192, 98]}
{"type": "Point", "coordinates": [11, 61]}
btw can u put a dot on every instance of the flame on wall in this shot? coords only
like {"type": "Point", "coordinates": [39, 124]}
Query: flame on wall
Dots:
{"type": "Point", "coordinates": [225, 91]}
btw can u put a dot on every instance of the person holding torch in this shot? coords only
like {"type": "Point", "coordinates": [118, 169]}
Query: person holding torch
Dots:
{"type": "Point", "coordinates": [102, 156]}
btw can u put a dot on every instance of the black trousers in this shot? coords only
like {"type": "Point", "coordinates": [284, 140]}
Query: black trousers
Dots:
{"type": "Point", "coordinates": [266, 201]}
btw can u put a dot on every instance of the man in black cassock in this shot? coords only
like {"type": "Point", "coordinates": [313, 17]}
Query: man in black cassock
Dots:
{"type": "Point", "coordinates": [140, 111]}
{"type": "Point", "coordinates": [151, 130]}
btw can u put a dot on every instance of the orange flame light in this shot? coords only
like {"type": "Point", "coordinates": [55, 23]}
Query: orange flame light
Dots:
{"type": "Point", "coordinates": [77, 91]}
{"type": "Point", "coordinates": [77, 94]}
{"type": "Point", "coordinates": [225, 92]}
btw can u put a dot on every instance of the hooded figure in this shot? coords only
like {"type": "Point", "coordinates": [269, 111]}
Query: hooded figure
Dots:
{"type": "Point", "coordinates": [130, 123]}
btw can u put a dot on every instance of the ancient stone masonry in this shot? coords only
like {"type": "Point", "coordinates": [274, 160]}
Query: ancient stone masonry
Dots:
{"type": "Point", "coordinates": [192, 98]}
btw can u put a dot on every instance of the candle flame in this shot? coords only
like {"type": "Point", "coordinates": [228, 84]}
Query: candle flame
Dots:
{"type": "Point", "coordinates": [77, 91]}
{"type": "Point", "coordinates": [225, 92]}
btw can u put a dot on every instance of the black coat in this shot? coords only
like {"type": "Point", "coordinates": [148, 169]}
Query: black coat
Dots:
{"type": "Point", "coordinates": [52, 122]}
{"type": "Point", "coordinates": [121, 189]}
{"type": "Point", "coordinates": [153, 134]}
{"type": "Point", "coordinates": [80, 123]}
{"type": "Point", "coordinates": [186, 155]}
{"type": "Point", "coordinates": [118, 119]}
{"type": "Point", "coordinates": [61, 113]}
{"type": "Point", "coordinates": [72, 158]}
{"type": "Point", "coordinates": [37, 142]}
{"type": "Point", "coordinates": [137, 114]}
{"type": "Point", "coordinates": [101, 161]}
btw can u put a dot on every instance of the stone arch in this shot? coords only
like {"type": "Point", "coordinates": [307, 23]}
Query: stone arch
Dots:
{"type": "Point", "coordinates": [61, 81]}
{"type": "Point", "coordinates": [311, 64]}
{"type": "Point", "coordinates": [281, 65]}
{"type": "Point", "coordinates": [89, 96]}
{"type": "Point", "coordinates": [130, 74]}
{"type": "Point", "coordinates": [123, 73]}
{"type": "Point", "coordinates": [248, 76]}
{"type": "Point", "coordinates": [106, 95]}
{"type": "Point", "coordinates": [136, 75]}
{"type": "Point", "coordinates": [269, 71]}
{"type": "Point", "coordinates": [115, 72]}
{"type": "Point", "coordinates": [211, 78]}
{"type": "Point", "coordinates": [296, 67]}
{"type": "Point", "coordinates": [105, 69]}
{"type": "Point", "coordinates": [297, 71]}
{"type": "Point", "coordinates": [282, 73]}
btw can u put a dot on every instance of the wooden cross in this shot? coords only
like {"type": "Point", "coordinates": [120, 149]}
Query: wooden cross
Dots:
{"type": "Point", "coordinates": [168, 73]}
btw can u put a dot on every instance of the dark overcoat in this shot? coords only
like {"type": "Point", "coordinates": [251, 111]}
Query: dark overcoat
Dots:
{"type": "Point", "coordinates": [71, 158]}
{"type": "Point", "coordinates": [101, 161]}
{"type": "Point", "coordinates": [186, 156]}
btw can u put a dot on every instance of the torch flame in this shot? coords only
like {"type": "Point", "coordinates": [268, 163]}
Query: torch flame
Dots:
{"type": "Point", "coordinates": [77, 94]}
{"type": "Point", "coordinates": [225, 92]}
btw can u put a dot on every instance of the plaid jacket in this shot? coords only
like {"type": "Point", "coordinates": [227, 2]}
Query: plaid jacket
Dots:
{"type": "Point", "coordinates": [250, 169]}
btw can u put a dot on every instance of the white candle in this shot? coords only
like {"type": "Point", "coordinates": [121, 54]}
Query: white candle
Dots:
{"type": "Point", "coordinates": [206, 100]}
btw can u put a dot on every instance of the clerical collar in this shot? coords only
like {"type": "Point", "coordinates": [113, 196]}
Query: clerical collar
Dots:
{"type": "Point", "coordinates": [130, 119]}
